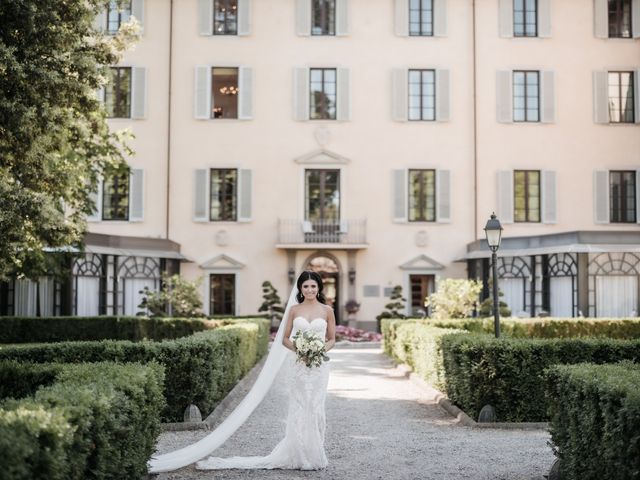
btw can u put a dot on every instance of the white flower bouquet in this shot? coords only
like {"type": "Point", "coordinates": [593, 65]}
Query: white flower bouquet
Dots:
{"type": "Point", "coordinates": [310, 348]}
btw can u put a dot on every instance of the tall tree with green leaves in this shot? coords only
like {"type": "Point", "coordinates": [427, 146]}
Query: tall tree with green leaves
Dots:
{"type": "Point", "coordinates": [54, 139]}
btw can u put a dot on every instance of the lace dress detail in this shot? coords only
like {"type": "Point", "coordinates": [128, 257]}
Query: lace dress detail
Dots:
{"type": "Point", "coordinates": [303, 444]}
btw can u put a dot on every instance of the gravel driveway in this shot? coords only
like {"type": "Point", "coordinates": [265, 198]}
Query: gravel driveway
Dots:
{"type": "Point", "coordinates": [381, 425]}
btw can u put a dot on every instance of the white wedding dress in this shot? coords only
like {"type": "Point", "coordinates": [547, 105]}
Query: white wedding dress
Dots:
{"type": "Point", "coordinates": [303, 444]}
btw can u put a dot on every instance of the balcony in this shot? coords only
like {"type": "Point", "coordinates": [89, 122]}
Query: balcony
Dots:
{"type": "Point", "coordinates": [327, 234]}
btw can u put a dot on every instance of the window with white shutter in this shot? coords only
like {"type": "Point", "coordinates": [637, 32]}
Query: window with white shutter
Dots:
{"type": "Point", "coordinates": [548, 196]}
{"type": "Point", "coordinates": [399, 198]}
{"type": "Point", "coordinates": [601, 196]}
{"type": "Point", "coordinates": [138, 92]}
{"type": "Point", "coordinates": [136, 191]}
{"type": "Point", "coordinates": [505, 196]}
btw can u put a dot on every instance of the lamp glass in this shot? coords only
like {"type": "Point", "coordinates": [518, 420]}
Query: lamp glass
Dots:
{"type": "Point", "coordinates": [493, 237]}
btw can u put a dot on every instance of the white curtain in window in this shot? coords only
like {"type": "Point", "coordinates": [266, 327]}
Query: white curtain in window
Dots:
{"type": "Point", "coordinates": [132, 295]}
{"type": "Point", "coordinates": [25, 298]}
{"type": "Point", "coordinates": [87, 296]}
{"type": "Point", "coordinates": [616, 296]}
{"type": "Point", "coordinates": [561, 297]}
{"type": "Point", "coordinates": [46, 296]}
{"type": "Point", "coordinates": [513, 290]}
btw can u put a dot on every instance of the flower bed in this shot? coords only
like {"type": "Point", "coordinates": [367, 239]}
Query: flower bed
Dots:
{"type": "Point", "coordinates": [356, 335]}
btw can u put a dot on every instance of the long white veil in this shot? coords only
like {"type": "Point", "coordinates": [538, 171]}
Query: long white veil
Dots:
{"type": "Point", "coordinates": [196, 451]}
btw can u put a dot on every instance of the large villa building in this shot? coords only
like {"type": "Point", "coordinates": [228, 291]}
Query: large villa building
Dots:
{"type": "Point", "coordinates": [369, 140]}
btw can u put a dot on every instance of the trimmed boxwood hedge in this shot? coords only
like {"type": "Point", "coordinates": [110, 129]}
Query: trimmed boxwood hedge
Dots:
{"type": "Point", "coordinates": [507, 373]}
{"type": "Point", "coordinates": [61, 329]}
{"type": "Point", "coordinates": [622, 328]}
{"type": "Point", "coordinates": [595, 420]}
{"type": "Point", "coordinates": [417, 344]}
{"type": "Point", "coordinates": [200, 369]}
{"type": "Point", "coordinates": [86, 421]}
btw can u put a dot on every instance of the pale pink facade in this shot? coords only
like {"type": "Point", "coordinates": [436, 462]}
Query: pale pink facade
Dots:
{"type": "Point", "coordinates": [472, 145]}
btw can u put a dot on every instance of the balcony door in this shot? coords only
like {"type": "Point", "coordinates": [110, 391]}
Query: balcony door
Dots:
{"type": "Point", "coordinates": [322, 205]}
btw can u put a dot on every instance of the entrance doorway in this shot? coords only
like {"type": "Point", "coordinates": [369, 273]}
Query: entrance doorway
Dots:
{"type": "Point", "coordinates": [328, 269]}
{"type": "Point", "coordinates": [421, 287]}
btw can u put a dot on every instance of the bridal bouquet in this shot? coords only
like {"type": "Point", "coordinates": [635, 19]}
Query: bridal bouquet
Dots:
{"type": "Point", "coordinates": [309, 348]}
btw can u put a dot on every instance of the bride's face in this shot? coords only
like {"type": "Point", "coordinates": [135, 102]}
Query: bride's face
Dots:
{"type": "Point", "coordinates": [309, 289]}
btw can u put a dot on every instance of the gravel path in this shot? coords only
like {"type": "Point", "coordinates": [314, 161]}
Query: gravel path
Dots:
{"type": "Point", "coordinates": [382, 426]}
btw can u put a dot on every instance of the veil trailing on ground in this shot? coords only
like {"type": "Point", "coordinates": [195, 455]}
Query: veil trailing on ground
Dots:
{"type": "Point", "coordinates": [196, 451]}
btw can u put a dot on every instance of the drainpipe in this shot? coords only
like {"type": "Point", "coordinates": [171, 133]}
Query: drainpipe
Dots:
{"type": "Point", "coordinates": [166, 234]}
{"type": "Point", "coordinates": [475, 129]}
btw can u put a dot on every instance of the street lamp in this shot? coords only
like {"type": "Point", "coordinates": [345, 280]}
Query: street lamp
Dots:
{"type": "Point", "coordinates": [493, 231]}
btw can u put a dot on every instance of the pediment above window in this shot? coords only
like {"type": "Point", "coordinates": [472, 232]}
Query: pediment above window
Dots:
{"type": "Point", "coordinates": [422, 262]}
{"type": "Point", "coordinates": [322, 156]}
{"type": "Point", "coordinates": [222, 262]}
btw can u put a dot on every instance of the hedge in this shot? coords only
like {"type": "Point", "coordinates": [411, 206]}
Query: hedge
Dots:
{"type": "Point", "coordinates": [200, 369]}
{"type": "Point", "coordinates": [417, 344]}
{"type": "Point", "coordinates": [60, 329]}
{"type": "Point", "coordinates": [548, 327]}
{"type": "Point", "coordinates": [595, 420]}
{"type": "Point", "coordinates": [88, 421]}
{"type": "Point", "coordinates": [507, 373]}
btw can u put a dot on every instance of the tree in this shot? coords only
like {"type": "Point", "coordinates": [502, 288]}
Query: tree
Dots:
{"type": "Point", "coordinates": [455, 298]}
{"type": "Point", "coordinates": [394, 308]}
{"type": "Point", "coordinates": [271, 303]}
{"type": "Point", "coordinates": [54, 139]}
{"type": "Point", "coordinates": [177, 297]}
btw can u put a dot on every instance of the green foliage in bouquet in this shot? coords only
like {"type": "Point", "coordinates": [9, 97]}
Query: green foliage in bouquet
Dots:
{"type": "Point", "coordinates": [177, 298]}
{"type": "Point", "coordinates": [455, 298]}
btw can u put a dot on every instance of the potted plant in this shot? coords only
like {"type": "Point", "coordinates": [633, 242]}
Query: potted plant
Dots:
{"type": "Point", "coordinates": [352, 307]}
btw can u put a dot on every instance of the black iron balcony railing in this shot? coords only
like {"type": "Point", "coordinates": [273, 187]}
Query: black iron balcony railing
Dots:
{"type": "Point", "coordinates": [347, 232]}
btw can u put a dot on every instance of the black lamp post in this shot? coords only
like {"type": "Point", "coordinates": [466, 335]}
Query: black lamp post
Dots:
{"type": "Point", "coordinates": [493, 231]}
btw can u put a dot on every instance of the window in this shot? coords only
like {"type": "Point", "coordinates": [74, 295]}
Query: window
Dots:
{"type": "Point", "coordinates": [526, 96]}
{"type": "Point", "coordinates": [115, 197]}
{"type": "Point", "coordinates": [421, 18]}
{"type": "Point", "coordinates": [323, 17]}
{"type": "Point", "coordinates": [422, 95]}
{"type": "Point", "coordinates": [620, 19]}
{"type": "Point", "coordinates": [622, 196]}
{"type": "Point", "coordinates": [422, 195]}
{"type": "Point", "coordinates": [322, 90]}
{"type": "Point", "coordinates": [621, 97]}
{"type": "Point", "coordinates": [526, 188]}
{"type": "Point", "coordinates": [117, 93]}
{"type": "Point", "coordinates": [322, 191]}
{"type": "Point", "coordinates": [225, 17]}
{"type": "Point", "coordinates": [117, 13]}
{"type": "Point", "coordinates": [224, 92]}
{"type": "Point", "coordinates": [525, 21]}
{"type": "Point", "coordinates": [222, 294]}
{"type": "Point", "coordinates": [421, 287]}
{"type": "Point", "coordinates": [223, 188]}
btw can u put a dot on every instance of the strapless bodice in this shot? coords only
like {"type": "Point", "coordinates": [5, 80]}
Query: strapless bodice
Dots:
{"type": "Point", "coordinates": [317, 325]}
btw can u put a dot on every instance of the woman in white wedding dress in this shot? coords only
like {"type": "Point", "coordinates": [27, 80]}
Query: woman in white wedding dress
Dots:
{"type": "Point", "coordinates": [303, 444]}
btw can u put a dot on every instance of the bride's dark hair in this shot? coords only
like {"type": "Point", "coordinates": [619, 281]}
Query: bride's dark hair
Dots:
{"type": "Point", "coordinates": [309, 275]}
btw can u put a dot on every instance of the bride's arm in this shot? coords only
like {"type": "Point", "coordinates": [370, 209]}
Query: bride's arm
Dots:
{"type": "Point", "coordinates": [331, 330]}
{"type": "Point", "coordinates": [287, 332]}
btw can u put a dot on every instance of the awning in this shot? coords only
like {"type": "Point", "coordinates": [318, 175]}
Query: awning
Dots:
{"type": "Point", "coordinates": [130, 252]}
{"type": "Point", "coordinates": [566, 242]}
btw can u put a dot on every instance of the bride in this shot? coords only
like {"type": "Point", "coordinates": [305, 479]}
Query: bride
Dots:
{"type": "Point", "coordinates": [303, 444]}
